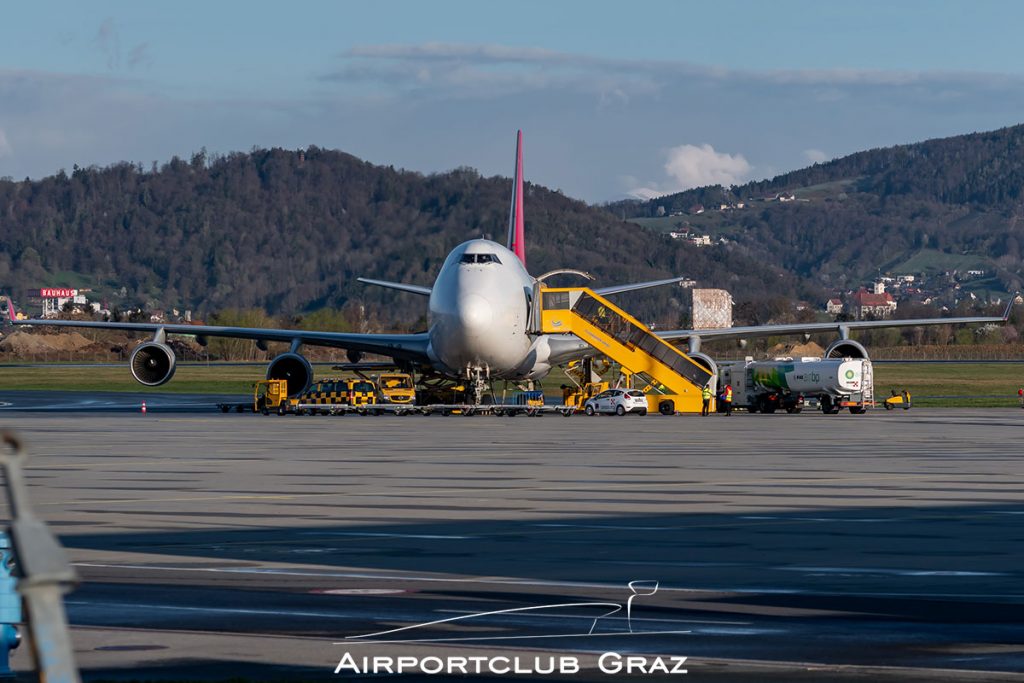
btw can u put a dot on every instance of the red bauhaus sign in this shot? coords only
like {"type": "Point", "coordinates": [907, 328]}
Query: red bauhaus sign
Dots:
{"type": "Point", "coordinates": [54, 293]}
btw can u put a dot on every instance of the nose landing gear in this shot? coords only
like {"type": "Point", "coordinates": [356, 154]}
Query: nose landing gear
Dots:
{"type": "Point", "coordinates": [480, 380]}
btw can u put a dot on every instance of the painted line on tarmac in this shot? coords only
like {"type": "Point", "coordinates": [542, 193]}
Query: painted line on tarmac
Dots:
{"type": "Point", "coordinates": [712, 622]}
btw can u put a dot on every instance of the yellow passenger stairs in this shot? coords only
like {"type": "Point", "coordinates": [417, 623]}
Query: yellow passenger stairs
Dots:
{"type": "Point", "coordinates": [622, 338]}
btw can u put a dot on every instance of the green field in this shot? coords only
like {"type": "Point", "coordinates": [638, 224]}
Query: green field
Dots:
{"type": "Point", "coordinates": [188, 379]}
{"type": "Point", "coordinates": [965, 384]}
{"type": "Point", "coordinates": [931, 384]}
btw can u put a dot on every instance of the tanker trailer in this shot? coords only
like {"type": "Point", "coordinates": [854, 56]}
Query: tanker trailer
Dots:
{"type": "Point", "coordinates": [836, 383]}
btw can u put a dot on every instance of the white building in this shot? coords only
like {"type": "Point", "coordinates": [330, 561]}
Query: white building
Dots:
{"type": "Point", "coordinates": [54, 299]}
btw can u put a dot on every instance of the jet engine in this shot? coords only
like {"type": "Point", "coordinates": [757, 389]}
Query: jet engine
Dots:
{"type": "Point", "coordinates": [152, 363]}
{"type": "Point", "coordinates": [845, 348]}
{"type": "Point", "coordinates": [705, 361]}
{"type": "Point", "coordinates": [294, 368]}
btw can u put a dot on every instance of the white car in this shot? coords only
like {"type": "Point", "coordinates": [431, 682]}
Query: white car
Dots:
{"type": "Point", "coordinates": [618, 401]}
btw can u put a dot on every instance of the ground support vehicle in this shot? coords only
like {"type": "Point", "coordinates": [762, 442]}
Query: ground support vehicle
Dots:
{"type": "Point", "coordinates": [789, 384]}
{"type": "Point", "coordinates": [620, 337]}
{"type": "Point", "coordinates": [333, 396]}
{"type": "Point", "coordinates": [898, 400]}
{"type": "Point", "coordinates": [575, 397]}
{"type": "Point", "coordinates": [396, 388]}
{"type": "Point", "coordinates": [267, 396]}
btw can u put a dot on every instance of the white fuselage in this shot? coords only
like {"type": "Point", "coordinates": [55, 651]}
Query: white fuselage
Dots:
{"type": "Point", "coordinates": [479, 316]}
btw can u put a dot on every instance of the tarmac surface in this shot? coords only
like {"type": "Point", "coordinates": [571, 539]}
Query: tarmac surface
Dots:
{"type": "Point", "coordinates": [886, 546]}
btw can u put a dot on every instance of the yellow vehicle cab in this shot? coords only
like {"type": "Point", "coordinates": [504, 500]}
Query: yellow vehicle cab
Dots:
{"type": "Point", "coordinates": [396, 388]}
{"type": "Point", "coordinates": [269, 394]}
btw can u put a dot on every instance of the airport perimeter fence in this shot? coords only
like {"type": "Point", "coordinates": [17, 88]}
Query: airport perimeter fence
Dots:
{"type": "Point", "coordinates": [976, 352]}
{"type": "Point", "coordinates": [937, 352]}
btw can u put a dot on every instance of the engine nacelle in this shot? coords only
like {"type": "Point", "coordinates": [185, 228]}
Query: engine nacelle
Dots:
{"type": "Point", "coordinates": [705, 361]}
{"type": "Point", "coordinates": [152, 363]}
{"type": "Point", "coordinates": [294, 368]}
{"type": "Point", "coordinates": [846, 348]}
{"type": "Point", "coordinates": [708, 363]}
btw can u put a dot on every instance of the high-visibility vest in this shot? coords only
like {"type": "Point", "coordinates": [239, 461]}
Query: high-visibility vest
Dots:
{"type": "Point", "coordinates": [706, 394]}
{"type": "Point", "coordinates": [728, 394]}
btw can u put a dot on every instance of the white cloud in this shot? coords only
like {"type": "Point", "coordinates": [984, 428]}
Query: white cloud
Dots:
{"type": "Point", "coordinates": [691, 166]}
{"type": "Point", "coordinates": [5, 146]}
{"type": "Point", "coordinates": [815, 156]}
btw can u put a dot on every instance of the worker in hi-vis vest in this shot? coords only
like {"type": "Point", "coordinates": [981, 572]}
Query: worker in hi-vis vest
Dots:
{"type": "Point", "coordinates": [727, 397]}
{"type": "Point", "coordinates": [705, 397]}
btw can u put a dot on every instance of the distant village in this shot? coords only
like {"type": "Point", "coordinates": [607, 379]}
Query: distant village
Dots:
{"type": "Point", "coordinates": [875, 300]}
{"type": "Point", "coordinates": [880, 299]}
{"type": "Point", "coordinates": [698, 209]}
{"type": "Point", "coordinates": [57, 302]}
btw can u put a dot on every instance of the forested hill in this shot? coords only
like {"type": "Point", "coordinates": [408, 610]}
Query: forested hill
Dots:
{"type": "Point", "coordinates": [929, 205]}
{"type": "Point", "coordinates": [289, 231]}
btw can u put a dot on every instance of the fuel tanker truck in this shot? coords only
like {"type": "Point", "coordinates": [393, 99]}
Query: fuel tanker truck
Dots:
{"type": "Point", "coordinates": [786, 383]}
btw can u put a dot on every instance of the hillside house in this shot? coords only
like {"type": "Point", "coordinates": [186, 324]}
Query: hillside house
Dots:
{"type": "Point", "coordinates": [866, 305]}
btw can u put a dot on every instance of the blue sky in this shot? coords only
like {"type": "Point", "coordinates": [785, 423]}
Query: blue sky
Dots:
{"type": "Point", "coordinates": [615, 99]}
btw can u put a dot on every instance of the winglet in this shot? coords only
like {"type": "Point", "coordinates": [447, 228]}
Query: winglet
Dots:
{"type": "Point", "coordinates": [516, 226]}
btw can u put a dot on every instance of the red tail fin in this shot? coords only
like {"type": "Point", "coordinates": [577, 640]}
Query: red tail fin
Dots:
{"type": "Point", "coordinates": [516, 227]}
{"type": "Point", "coordinates": [10, 308]}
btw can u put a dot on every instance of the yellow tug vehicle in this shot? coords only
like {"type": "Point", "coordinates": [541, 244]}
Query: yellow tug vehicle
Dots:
{"type": "Point", "coordinates": [899, 399]}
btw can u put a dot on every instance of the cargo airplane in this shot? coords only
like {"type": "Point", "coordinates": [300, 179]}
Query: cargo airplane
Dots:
{"type": "Point", "coordinates": [478, 323]}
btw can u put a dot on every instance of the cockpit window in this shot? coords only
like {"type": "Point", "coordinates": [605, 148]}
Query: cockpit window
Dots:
{"type": "Point", "coordinates": [480, 258]}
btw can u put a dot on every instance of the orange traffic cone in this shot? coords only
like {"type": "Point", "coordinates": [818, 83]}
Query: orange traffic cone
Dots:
{"type": "Point", "coordinates": [143, 407]}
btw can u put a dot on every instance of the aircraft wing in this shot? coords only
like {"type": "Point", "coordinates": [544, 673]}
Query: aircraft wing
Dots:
{"type": "Point", "coordinates": [413, 289]}
{"type": "Point", "coordinates": [754, 331]}
{"type": "Point", "coordinates": [618, 289]}
{"type": "Point", "coordinates": [412, 347]}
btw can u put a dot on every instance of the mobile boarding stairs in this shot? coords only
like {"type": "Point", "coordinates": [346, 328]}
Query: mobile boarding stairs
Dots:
{"type": "Point", "coordinates": [677, 380]}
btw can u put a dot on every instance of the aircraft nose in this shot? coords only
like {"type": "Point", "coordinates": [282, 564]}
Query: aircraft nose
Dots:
{"type": "Point", "coordinates": [474, 312]}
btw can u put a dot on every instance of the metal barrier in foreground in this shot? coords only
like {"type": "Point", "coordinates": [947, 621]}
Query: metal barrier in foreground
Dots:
{"type": "Point", "coordinates": [44, 574]}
